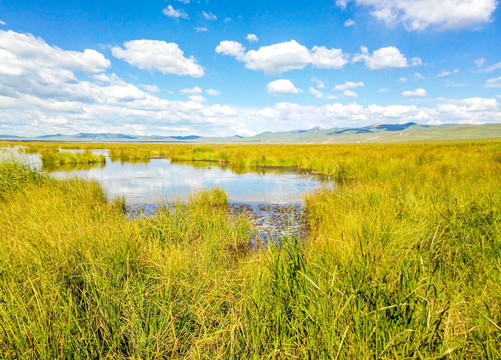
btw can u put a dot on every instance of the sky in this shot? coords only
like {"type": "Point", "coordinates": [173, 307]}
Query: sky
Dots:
{"type": "Point", "coordinates": [222, 68]}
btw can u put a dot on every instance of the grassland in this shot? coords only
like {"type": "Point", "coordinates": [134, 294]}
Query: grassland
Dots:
{"type": "Point", "coordinates": [52, 157]}
{"type": "Point", "coordinates": [403, 260]}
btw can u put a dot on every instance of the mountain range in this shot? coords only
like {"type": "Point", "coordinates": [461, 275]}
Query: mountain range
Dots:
{"type": "Point", "coordinates": [372, 133]}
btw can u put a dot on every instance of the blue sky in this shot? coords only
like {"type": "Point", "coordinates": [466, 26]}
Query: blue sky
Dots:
{"type": "Point", "coordinates": [183, 67]}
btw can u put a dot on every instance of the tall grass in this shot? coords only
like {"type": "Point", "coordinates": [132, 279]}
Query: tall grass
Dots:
{"type": "Point", "coordinates": [402, 260]}
{"type": "Point", "coordinates": [50, 157]}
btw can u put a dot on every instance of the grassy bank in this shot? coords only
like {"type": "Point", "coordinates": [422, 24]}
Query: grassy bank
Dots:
{"type": "Point", "coordinates": [402, 261]}
{"type": "Point", "coordinates": [54, 157]}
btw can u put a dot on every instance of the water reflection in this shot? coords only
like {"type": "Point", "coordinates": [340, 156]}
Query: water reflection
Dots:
{"type": "Point", "coordinates": [159, 180]}
{"type": "Point", "coordinates": [71, 167]}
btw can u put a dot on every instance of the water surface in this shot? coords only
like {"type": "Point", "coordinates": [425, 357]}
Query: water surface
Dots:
{"type": "Point", "coordinates": [160, 180]}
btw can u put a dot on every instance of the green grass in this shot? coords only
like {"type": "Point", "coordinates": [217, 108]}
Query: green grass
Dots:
{"type": "Point", "coordinates": [50, 157]}
{"type": "Point", "coordinates": [402, 261]}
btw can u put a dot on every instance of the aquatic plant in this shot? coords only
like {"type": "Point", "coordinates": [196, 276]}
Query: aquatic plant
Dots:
{"type": "Point", "coordinates": [55, 157]}
{"type": "Point", "coordinates": [402, 260]}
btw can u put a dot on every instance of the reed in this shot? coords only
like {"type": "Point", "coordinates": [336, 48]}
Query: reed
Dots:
{"type": "Point", "coordinates": [60, 158]}
{"type": "Point", "coordinates": [402, 261]}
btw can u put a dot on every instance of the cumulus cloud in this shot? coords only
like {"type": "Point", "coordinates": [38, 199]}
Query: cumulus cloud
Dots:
{"type": "Point", "coordinates": [158, 55]}
{"type": "Point", "coordinates": [493, 83]}
{"type": "Point", "coordinates": [419, 15]}
{"type": "Point", "coordinates": [201, 29]}
{"type": "Point", "coordinates": [342, 3]}
{"type": "Point", "coordinates": [350, 93]}
{"type": "Point", "coordinates": [42, 91]}
{"type": "Point", "coordinates": [349, 23]}
{"type": "Point", "coordinates": [282, 57]}
{"type": "Point", "coordinates": [417, 92]}
{"type": "Point", "coordinates": [252, 38]}
{"type": "Point", "coordinates": [14, 46]}
{"type": "Point", "coordinates": [348, 85]}
{"type": "Point", "coordinates": [418, 76]}
{"type": "Point", "coordinates": [209, 16]}
{"type": "Point", "coordinates": [169, 11]}
{"type": "Point", "coordinates": [385, 58]}
{"type": "Point", "coordinates": [213, 92]}
{"type": "Point", "coordinates": [2, 22]}
{"type": "Point", "coordinates": [322, 57]}
{"type": "Point", "coordinates": [282, 87]}
{"type": "Point", "coordinates": [232, 48]}
{"type": "Point", "coordinates": [480, 62]}
{"type": "Point", "coordinates": [194, 90]}
{"type": "Point", "coordinates": [278, 58]}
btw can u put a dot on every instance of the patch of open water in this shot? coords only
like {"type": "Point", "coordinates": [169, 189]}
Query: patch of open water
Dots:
{"type": "Point", "coordinates": [273, 197]}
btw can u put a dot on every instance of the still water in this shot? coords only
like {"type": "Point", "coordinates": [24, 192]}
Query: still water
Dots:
{"type": "Point", "coordinates": [160, 180]}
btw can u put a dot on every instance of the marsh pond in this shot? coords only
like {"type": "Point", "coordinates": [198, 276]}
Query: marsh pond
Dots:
{"type": "Point", "coordinates": [272, 196]}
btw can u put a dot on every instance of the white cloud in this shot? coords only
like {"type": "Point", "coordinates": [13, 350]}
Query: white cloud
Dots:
{"type": "Point", "coordinates": [385, 58]}
{"type": "Point", "coordinates": [278, 58]}
{"type": "Point", "coordinates": [282, 87]}
{"type": "Point", "coordinates": [197, 98]}
{"type": "Point", "coordinates": [450, 83]}
{"type": "Point", "coordinates": [402, 80]}
{"type": "Point", "coordinates": [169, 11]}
{"type": "Point", "coordinates": [41, 93]}
{"type": "Point", "coordinates": [447, 73]}
{"type": "Point", "coordinates": [320, 95]}
{"type": "Point", "coordinates": [317, 93]}
{"type": "Point", "coordinates": [349, 23]}
{"type": "Point", "coordinates": [201, 29]}
{"type": "Point", "coordinates": [209, 16]}
{"type": "Point", "coordinates": [350, 93]}
{"type": "Point", "coordinates": [342, 3]}
{"type": "Point", "coordinates": [480, 62]}
{"type": "Point", "coordinates": [419, 15]}
{"type": "Point", "coordinates": [184, 1]}
{"type": "Point", "coordinates": [213, 92]}
{"type": "Point", "coordinates": [490, 68]}
{"type": "Point", "coordinates": [382, 90]}
{"type": "Point", "coordinates": [348, 85]}
{"type": "Point", "coordinates": [320, 83]}
{"type": "Point", "coordinates": [282, 57]}
{"type": "Point", "coordinates": [252, 38]}
{"type": "Point", "coordinates": [2, 22]}
{"type": "Point", "coordinates": [158, 55]}
{"type": "Point", "coordinates": [194, 90]}
{"type": "Point", "coordinates": [418, 76]}
{"type": "Point", "coordinates": [150, 88]}
{"type": "Point", "coordinates": [322, 57]}
{"type": "Point", "coordinates": [417, 92]}
{"type": "Point", "coordinates": [57, 63]}
{"type": "Point", "coordinates": [415, 61]}
{"type": "Point", "coordinates": [494, 82]}
{"type": "Point", "coordinates": [232, 48]}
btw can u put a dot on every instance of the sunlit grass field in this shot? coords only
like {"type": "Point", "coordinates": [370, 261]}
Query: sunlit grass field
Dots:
{"type": "Point", "coordinates": [402, 261]}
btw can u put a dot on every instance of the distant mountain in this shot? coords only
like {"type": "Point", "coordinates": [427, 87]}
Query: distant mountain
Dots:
{"type": "Point", "coordinates": [4, 136]}
{"type": "Point", "coordinates": [372, 133]}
